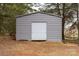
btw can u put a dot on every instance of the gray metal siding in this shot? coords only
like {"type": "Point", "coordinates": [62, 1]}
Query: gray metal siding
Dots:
{"type": "Point", "coordinates": [54, 26]}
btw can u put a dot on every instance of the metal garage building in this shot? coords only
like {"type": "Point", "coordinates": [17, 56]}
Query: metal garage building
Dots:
{"type": "Point", "coordinates": [39, 26]}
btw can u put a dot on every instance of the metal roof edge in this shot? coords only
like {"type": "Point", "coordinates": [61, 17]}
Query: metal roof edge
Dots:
{"type": "Point", "coordinates": [36, 13]}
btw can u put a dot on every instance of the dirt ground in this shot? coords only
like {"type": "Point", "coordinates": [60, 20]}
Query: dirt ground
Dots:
{"type": "Point", "coordinates": [9, 47]}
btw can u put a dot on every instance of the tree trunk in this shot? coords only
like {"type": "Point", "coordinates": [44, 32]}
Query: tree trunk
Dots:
{"type": "Point", "coordinates": [77, 21]}
{"type": "Point", "coordinates": [63, 21]}
{"type": "Point", "coordinates": [78, 29]}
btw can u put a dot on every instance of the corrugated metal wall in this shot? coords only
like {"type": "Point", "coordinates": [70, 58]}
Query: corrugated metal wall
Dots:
{"type": "Point", "coordinates": [54, 26]}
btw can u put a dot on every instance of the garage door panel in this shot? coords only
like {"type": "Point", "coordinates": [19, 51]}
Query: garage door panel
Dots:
{"type": "Point", "coordinates": [38, 31]}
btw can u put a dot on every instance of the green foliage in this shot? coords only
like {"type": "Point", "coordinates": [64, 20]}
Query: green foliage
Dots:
{"type": "Point", "coordinates": [8, 13]}
{"type": "Point", "coordinates": [57, 9]}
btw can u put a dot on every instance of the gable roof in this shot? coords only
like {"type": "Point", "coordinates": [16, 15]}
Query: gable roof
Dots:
{"type": "Point", "coordinates": [36, 13]}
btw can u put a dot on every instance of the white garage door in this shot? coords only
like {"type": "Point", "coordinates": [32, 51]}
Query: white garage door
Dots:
{"type": "Point", "coordinates": [38, 31]}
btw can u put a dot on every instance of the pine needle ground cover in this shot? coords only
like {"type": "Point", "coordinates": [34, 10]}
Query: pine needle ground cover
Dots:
{"type": "Point", "coordinates": [10, 47]}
